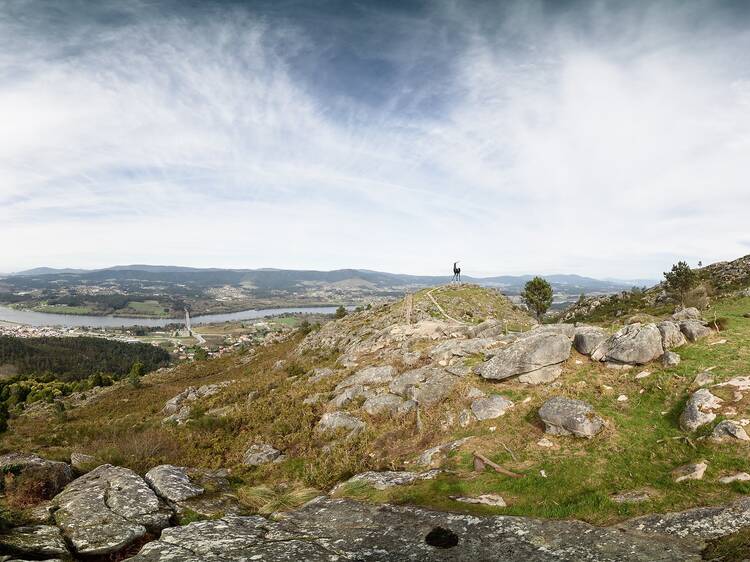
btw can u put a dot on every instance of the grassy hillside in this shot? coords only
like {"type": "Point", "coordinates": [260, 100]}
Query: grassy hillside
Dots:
{"type": "Point", "coordinates": [639, 448]}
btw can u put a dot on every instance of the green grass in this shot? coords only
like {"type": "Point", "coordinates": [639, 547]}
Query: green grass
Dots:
{"type": "Point", "coordinates": [637, 451]}
{"type": "Point", "coordinates": [64, 309]}
{"type": "Point", "coordinates": [639, 448]}
{"type": "Point", "coordinates": [148, 308]}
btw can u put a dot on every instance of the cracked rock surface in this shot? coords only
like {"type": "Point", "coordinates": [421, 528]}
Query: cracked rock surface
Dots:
{"type": "Point", "coordinates": [327, 529]}
{"type": "Point", "coordinates": [172, 483]}
{"type": "Point", "coordinates": [107, 509]}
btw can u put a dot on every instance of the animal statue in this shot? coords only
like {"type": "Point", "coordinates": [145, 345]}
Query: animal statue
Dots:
{"type": "Point", "coordinates": [456, 272]}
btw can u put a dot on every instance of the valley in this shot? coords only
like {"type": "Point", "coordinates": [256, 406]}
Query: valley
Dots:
{"type": "Point", "coordinates": [161, 292]}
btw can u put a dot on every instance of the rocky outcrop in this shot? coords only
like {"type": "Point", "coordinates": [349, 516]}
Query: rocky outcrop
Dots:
{"type": "Point", "coordinates": [388, 404]}
{"type": "Point", "coordinates": [260, 453]}
{"type": "Point", "coordinates": [336, 421]}
{"type": "Point", "coordinates": [692, 471]}
{"type": "Point", "coordinates": [107, 509]}
{"type": "Point", "coordinates": [51, 476]}
{"type": "Point", "coordinates": [670, 359]}
{"type": "Point", "coordinates": [485, 499]}
{"type": "Point", "coordinates": [328, 529]}
{"type": "Point", "coordinates": [588, 338]}
{"type": "Point", "coordinates": [178, 407]}
{"type": "Point", "coordinates": [729, 430]}
{"type": "Point", "coordinates": [671, 335]}
{"type": "Point", "coordinates": [34, 541]}
{"type": "Point", "coordinates": [567, 330]}
{"type": "Point", "coordinates": [388, 478]}
{"type": "Point", "coordinates": [702, 523]}
{"type": "Point", "coordinates": [636, 344]}
{"type": "Point", "coordinates": [491, 407]}
{"type": "Point", "coordinates": [529, 353]}
{"type": "Point", "coordinates": [699, 410]}
{"type": "Point", "coordinates": [460, 348]}
{"type": "Point", "coordinates": [694, 330]}
{"type": "Point", "coordinates": [172, 483]}
{"type": "Point", "coordinates": [426, 385]}
{"type": "Point", "coordinates": [370, 376]}
{"type": "Point", "coordinates": [690, 313]}
{"type": "Point", "coordinates": [566, 416]}
{"type": "Point", "coordinates": [83, 462]}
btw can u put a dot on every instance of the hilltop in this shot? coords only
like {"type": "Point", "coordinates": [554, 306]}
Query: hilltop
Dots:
{"type": "Point", "coordinates": [715, 282]}
{"type": "Point", "coordinates": [413, 403]}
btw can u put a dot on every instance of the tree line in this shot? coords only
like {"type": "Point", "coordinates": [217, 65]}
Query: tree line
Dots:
{"type": "Point", "coordinates": [70, 359]}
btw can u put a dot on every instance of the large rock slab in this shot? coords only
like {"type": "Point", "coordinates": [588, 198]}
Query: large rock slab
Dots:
{"type": "Point", "coordinates": [529, 353]}
{"type": "Point", "coordinates": [491, 407]}
{"type": "Point", "coordinates": [387, 478]}
{"type": "Point", "coordinates": [694, 330]}
{"type": "Point", "coordinates": [729, 430]}
{"type": "Point", "coordinates": [370, 376]}
{"type": "Point", "coordinates": [635, 344]}
{"type": "Point", "coordinates": [107, 509]}
{"type": "Point", "coordinates": [339, 529]}
{"type": "Point", "coordinates": [699, 410]}
{"type": "Point", "coordinates": [426, 385]}
{"type": "Point", "coordinates": [335, 421]}
{"type": "Point", "coordinates": [566, 416]}
{"type": "Point", "coordinates": [588, 338]}
{"type": "Point", "coordinates": [703, 523]}
{"type": "Point", "coordinates": [567, 330]}
{"type": "Point", "coordinates": [542, 376]}
{"type": "Point", "coordinates": [460, 348]}
{"type": "Point", "coordinates": [172, 483]}
{"type": "Point", "coordinates": [52, 476]}
{"type": "Point", "coordinates": [690, 313]}
{"type": "Point", "coordinates": [434, 389]}
{"type": "Point", "coordinates": [34, 541]}
{"type": "Point", "coordinates": [387, 404]}
{"type": "Point", "coordinates": [671, 335]}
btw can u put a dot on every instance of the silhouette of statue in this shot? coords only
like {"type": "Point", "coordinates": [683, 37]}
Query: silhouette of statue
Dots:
{"type": "Point", "coordinates": [456, 272]}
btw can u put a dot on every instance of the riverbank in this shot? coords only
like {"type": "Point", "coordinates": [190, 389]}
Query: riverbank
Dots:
{"type": "Point", "coordinates": [31, 318]}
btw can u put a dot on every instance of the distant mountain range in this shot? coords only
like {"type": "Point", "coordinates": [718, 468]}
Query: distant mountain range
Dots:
{"type": "Point", "coordinates": [286, 279]}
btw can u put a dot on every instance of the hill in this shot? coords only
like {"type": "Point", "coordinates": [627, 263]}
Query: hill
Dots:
{"type": "Point", "coordinates": [714, 282]}
{"type": "Point", "coordinates": [414, 402]}
{"type": "Point", "coordinates": [148, 290]}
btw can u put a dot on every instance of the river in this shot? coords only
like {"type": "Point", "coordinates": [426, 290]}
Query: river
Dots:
{"type": "Point", "coordinates": [31, 318]}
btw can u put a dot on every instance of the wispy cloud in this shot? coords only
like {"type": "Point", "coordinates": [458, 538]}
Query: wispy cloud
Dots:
{"type": "Point", "coordinates": [600, 138]}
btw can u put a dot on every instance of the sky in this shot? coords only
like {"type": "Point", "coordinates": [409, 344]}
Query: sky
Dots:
{"type": "Point", "coordinates": [608, 139]}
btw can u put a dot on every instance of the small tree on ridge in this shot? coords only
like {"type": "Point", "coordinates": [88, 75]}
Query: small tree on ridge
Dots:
{"type": "Point", "coordinates": [680, 280]}
{"type": "Point", "coordinates": [537, 294]}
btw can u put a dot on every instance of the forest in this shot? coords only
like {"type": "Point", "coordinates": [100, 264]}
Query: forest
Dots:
{"type": "Point", "coordinates": [71, 359]}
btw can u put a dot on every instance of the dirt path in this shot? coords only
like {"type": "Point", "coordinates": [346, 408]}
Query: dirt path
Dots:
{"type": "Point", "coordinates": [440, 308]}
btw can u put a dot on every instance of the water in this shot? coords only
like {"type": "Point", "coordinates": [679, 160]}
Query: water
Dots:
{"type": "Point", "coordinates": [31, 318]}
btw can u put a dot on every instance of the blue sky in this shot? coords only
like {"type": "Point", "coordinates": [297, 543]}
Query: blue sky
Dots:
{"type": "Point", "coordinates": [599, 138]}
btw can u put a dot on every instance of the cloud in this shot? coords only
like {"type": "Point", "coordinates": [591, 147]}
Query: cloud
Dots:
{"type": "Point", "coordinates": [528, 138]}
